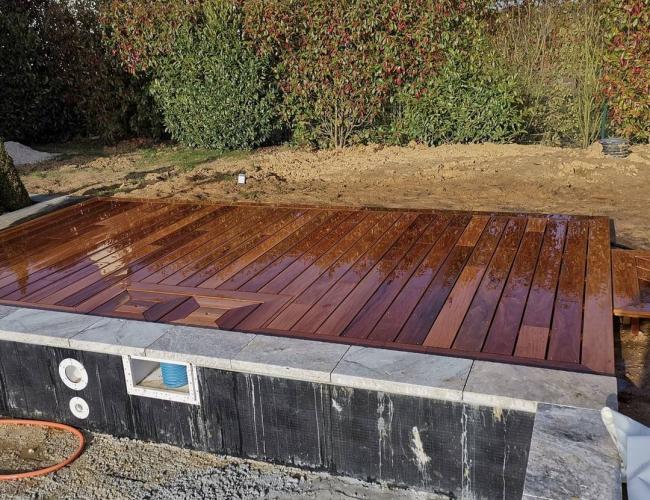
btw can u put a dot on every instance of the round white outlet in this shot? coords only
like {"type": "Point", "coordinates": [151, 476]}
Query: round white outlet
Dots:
{"type": "Point", "coordinates": [79, 408]}
{"type": "Point", "coordinates": [73, 374]}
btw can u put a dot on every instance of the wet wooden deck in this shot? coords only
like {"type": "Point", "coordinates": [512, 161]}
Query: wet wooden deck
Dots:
{"type": "Point", "coordinates": [521, 288]}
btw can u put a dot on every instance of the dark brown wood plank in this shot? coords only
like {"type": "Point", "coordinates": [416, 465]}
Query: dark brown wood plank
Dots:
{"type": "Point", "coordinates": [402, 307]}
{"type": "Point", "coordinates": [507, 318]}
{"type": "Point", "coordinates": [626, 284]}
{"type": "Point", "coordinates": [335, 292]}
{"type": "Point", "coordinates": [566, 329]}
{"type": "Point", "coordinates": [77, 288]}
{"type": "Point", "coordinates": [536, 323]}
{"type": "Point", "coordinates": [598, 331]}
{"type": "Point", "coordinates": [261, 249]}
{"type": "Point", "coordinates": [370, 314]}
{"type": "Point", "coordinates": [303, 254]}
{"type": "Point", "coordinates": [207, 266]}
{"type": "Point", "coordinates": [348, 308]}
{"type": "Point", "coordinates": [445, 327]}
{"type": "Point", "coordinates": [417, 327]}
{"type": "Point", "coordinates": [54, 276]}
{"type": "Point", "coordinates": [474, 328]}
{"type": "Point", "coordinates": [312, 284]}
{"type": "Point", "coordinates": [227, 229]}
{"type": "Point", "coordinates": [327, 247]}
{"type": "Point", "coordinates": [271, 258]}
{"type": "Point", "coordinates": [58, 265]}
{"type": "Point", "coordinates": [196, 244]}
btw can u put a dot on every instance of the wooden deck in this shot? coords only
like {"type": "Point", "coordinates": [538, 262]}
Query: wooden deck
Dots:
{"type": "Point", "coordinates": [521, 288]}
{"type": "Point", "coordinates": [631, 271]}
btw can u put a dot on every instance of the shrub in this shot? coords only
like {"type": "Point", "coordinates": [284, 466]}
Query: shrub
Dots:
{"type": "Point", "coordinates": [341, 63]}
{"type": "Point", "coordinates": [141, 31]}
{"type": "Point", "coordinates": [470, 100]}
{"type": "Point", "coordinates": [213, 89]}
{"type": "Point", "coordinates": [627, 67]}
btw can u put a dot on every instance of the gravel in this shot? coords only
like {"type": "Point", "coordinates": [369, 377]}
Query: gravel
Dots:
{"type": "Point", "coordinates": [128, 469]}
{"type": "Point", "coordinates": [24, 155]}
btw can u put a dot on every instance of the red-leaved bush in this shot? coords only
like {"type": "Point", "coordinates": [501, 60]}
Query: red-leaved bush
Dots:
{"type": "Point", "coordinates": [340, 64]}
{"type": "Point", "coordinates": [627, 67]}
{"type": "Point", "coordinates": [141, 31]}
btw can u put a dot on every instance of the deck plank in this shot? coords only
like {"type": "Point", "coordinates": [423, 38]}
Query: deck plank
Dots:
{"type": "Point", "coordinates": [372, 311]}
{"type": "Point", "coordinates": [474, 328]}
{"type": "Point", "coordinates": [418, 325]}
{"type": "Point", "coordinates": [398, 313]}
{"type": "Point", "coordinates": [445, 328]}
{"type": "Point", "coordinates": [566, 328]}
{"type": "Point", "coordinates": [504, 329]}
{"type": "Point", "coordinates": [363, 289]}
{"type": "Point", "coordinates": [536, 323]}
{"type": "Point", "coordinates": [598, 329]}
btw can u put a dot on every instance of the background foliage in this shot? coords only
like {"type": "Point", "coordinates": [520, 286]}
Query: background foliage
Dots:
{"type": "Point", "coordinates": [240, 73]}
{"type": "Point", "coordinates": [471, 99]}
{"type": "Point", "coordinates": [554, 49]}
{"type": "Point", "coordinates": [57, 80]}
{"type": "Point", "coordinates": [340, 64]}
{"type": "Point", "coordinates": [627, 66]}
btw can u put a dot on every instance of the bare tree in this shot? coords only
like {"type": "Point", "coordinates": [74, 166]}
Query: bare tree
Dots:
{"type": "Point", "coordinates": [13, 194]}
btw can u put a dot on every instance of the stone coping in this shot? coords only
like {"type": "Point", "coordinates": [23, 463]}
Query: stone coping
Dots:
{"type": "Point", "coordinates": [43, 204]}
{"type": "Point", "coordinates": [421, 375]}
{"type": "Point", "coordinates": [571, 455]}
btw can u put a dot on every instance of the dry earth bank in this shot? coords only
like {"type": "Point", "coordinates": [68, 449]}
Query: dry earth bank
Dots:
{"type": "Point", "coordinates": [470, 177]}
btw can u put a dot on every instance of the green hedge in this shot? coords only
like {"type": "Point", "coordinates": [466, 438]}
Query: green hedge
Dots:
{"type": "Point", "coordinates": [470, 100]}
{"type": "Point", "coordinates": [231, 74]}
{"type": "Point", "coordinates": [213, 90]}
{"type": "Point", "coordinates": [59, 80]}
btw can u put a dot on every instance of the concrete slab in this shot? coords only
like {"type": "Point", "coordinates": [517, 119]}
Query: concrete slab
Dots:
{"type": "Point", "coordinates": [7, 310]}
{"type": "Point", "coordinates": [51, 328]}
{"type": "Point", "coordinates": [38, 209]}
{"type": "Point", "coordinates": [523, 387]}
{"type": "Point", "coordinates": [413, 374]}
{"type": "Point", "coordinates": [571, 456]}
{"type": "Point", "coordinates": [290, 358]}
{"type": "Point", "coordinates": [119, 336]}
{"type": "Point", "coordinates": [207, 348]}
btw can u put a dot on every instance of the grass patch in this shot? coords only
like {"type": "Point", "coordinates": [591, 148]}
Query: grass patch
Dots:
{"type": "Point", "coordinates": [185, 159]}
{"type": "Point", "coordinates": [71, 149]}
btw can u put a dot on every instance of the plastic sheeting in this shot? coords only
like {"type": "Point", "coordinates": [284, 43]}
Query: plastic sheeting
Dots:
{"type": "Point", "coordinates": [632, 440]}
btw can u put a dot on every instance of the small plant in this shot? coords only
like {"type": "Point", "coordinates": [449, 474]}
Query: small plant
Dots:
{"type": "Point", "coordinates": [13, 194]}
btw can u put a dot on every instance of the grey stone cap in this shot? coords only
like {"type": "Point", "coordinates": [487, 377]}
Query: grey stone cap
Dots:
{"type": "Point", "coordinates": [571, 456]}
{"type": "Point", "coordinates": [38, 209]}
{"type": "Point", "coordinates": [415, 374]}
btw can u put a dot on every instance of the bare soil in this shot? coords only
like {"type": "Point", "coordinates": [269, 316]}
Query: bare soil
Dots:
{"type": "Point", "coordinates": [470, 177]}
{"type": "Point", "coordinates": [28, 448]}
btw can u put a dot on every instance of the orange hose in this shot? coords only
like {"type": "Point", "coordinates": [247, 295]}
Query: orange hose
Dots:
{"type": "Point", "coordinates": [51, 468]}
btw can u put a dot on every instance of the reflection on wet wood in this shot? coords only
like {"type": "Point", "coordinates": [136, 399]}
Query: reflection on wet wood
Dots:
{"type": "Point", "coordinates": [510, 287]}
